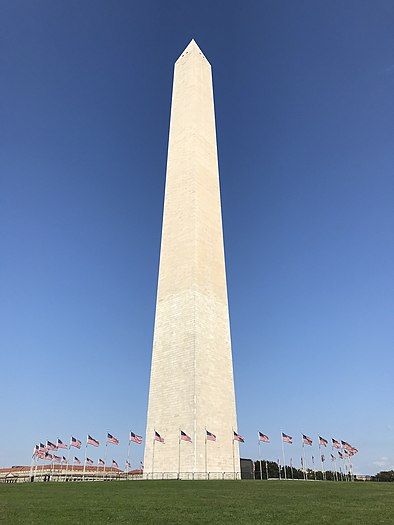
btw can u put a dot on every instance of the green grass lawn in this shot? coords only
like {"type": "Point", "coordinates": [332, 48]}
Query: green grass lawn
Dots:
{"type": "Point", "coordinates": [215, 502]}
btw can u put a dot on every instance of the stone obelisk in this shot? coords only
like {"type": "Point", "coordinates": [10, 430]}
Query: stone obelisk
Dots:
{"type": "Point", "coordinates": [192, 384]}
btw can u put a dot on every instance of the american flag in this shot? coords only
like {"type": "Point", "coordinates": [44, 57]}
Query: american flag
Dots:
{"type": "Point", "coordinates": [92, 441]}
{"type": "Point", "coordinates": [48, 456]}
{"type": "Point", "coordinates": [141, 465]}
{"type": "Point", "coordinates": [57, 459]}
{"type": "Point", "coordinates": [322, 458]}
{"type": "Point", "coordinates": [101, 462]}
{"type": "Point", "coordinates": [128, 464]}
{"type": "Point", "coordinates": [286, 438]}
{"type": "Point", "coordinates": [333, 458]}
{"type": "Point", "coordinates": [335, 443]}
{"type": "Point", "coordinates": [263, 438]}
{"type": "Point", "coordinates": [210, 436]}
{"type": "Point", "coordinates": [237, 437]}
{"type": "Point", "coordinates": [89, 461]}
{"type": "Point", "coordinates": [302, 463]}
{"type": "Point", "coordinates": [346, 445]}
{"type": "Point", "coordinates": [354, 450]}
{"type": "Point", "coordinates": [340, 454]}
{"type": "Point", "coordinates": [323, 441]}
{"type": "Point", "coordinates": [60, 444]}
{"type": "Point", "coordinates": [75, 442]}
{"type": "Point", "coordinates": [158, 437]}
{"type": "Point", "coordinates": [185, 437]}
{"type": "Point", "coordinates": [42, 447]}
{"type": "Point", "coordinates": [112, 439]}
{"type": "Point", "coordinates": [135, 438]}
{"type": "Point", "coordinates": [51, 446]}
{"type": "Point", "coordinates": [306, 440]}
{"type": "Point", "coordinates": [114, 464]}
{"type": "Point", "coordinates": [76, 460]}
{"type": "Point", "coordinates": [36, 451]}
{"type": "Point", "coordinates": [64, 460]}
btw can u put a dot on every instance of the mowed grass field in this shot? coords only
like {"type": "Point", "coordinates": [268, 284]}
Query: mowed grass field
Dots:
{"type": "Point", "coordinates": [216, 502]}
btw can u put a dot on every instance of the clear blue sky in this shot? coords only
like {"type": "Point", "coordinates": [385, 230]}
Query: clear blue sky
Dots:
{"type": "Point", "coordinates": [304, 107]}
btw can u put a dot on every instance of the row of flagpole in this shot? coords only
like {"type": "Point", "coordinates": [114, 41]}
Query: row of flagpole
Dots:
{"type": "Point", "coordinates": [42, 451]}
{"type": "Point", "coordinates": [347, 452]}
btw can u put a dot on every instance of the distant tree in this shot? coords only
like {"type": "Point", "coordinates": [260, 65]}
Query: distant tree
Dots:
{"type": "Point", "coordinates": [387, 475]}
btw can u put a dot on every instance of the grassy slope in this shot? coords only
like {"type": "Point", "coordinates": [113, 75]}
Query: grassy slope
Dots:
{"type": "Point", "coordinates": [198, 502]}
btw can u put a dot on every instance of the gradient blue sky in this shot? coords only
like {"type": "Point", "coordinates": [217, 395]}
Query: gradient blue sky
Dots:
{"type": "Point", "coordinates": [304, 108]}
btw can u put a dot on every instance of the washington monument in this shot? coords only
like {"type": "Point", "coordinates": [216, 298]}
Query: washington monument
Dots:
{"type": "Point", "coordinates": [191, 383]}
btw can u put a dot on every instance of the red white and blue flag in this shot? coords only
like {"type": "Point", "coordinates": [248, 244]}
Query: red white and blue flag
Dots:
{"type": "Point", "coordinates": [286, 438]}
{"type": "Point", "coordinates": [141, 465]}
{"type": "Point", "coordinates": [306, 440]}
{"type": "Point", "coordinates": [75, 442]}
{"type": "Point", "coordinates": [158, 437]}
{"type": "Point", "coordinates": [64, 460]}
{"type": "Point", "coordinates": [114, 464]}
{"type": "Point", "coordinates": [323, 441]}
{"type": "Point", "coordinates": [51, 446]}
{"type": "Point", "coordinates": [92, 441]}
{"type": "Point", "coordinates": [112, 439]}
{"type": "Point", "coordinates": [335, 443]}
{"type": "Point", "coordinates": [89, 461]}
{"type": "Point", "coordinates": [210, 436]}
{"type": "Point", "coordinates": [101, 462]}
{"type": "Point", "coordinates": [185, 437]}
{"type": "Point", "coordinates": [346, 445]}
{"type": "Point", "coordinates": [322, 458]}
{"type": "Point", "coordinates": [263, 438]}
{"type": "Point", "coordinates": [340, 454]}
{"type": "Point", "coordinates": [237, 437]}
{"type": "Point", "coordinates": [57, 459]}
{"type": "Point", "coordinates": [60, 444]}
{"type": "Point", "coordinates": [128, 464]}
{"type": "Point", "coordinates": [76, 460]}
{"type": "Point", "coordinates": [135, 438]}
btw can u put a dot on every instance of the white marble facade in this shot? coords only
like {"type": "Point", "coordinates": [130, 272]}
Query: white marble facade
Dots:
{"type": "Point", "coordinates": [191, 384]}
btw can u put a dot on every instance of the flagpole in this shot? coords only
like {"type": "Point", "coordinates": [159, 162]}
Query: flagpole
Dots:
{"type": "Point", "coordinates": [128, 458]}
{"type": "Point", "coordinates": [283, 454]}
{"type": "Point", "coordinates": [35, 466]}
{"type": "Point", "coordinates": [321, 460]}
{"type": "Point", "coordinates": [32, 463]}
{"type": "Point", "coordinates": [68, 457]}
{"type": "Point", "coordinates": [206, 452]}
{"type": "Point", "coordinates": [258, 443]}
{"type": "Point", "coordinates": [303, 454]}
{"type": "Point", "coordinates": [84, 463]}
{"type": "Point", "coordinates": [335, 463]}
{"type": "Point", "coordinates": [105, 457]}
{"type": "Point", "coordinates": [153, 456]}
{"type": "Point", "coordinates": [233, 455]}
{"type": "Point", "coordinates": [179, 454]}
{"type": "Point", "coordinates": [314, 468]}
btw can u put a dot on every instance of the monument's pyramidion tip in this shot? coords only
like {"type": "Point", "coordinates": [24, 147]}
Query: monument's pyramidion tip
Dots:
{"type": "Point", "coordinates": [192, 45]}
